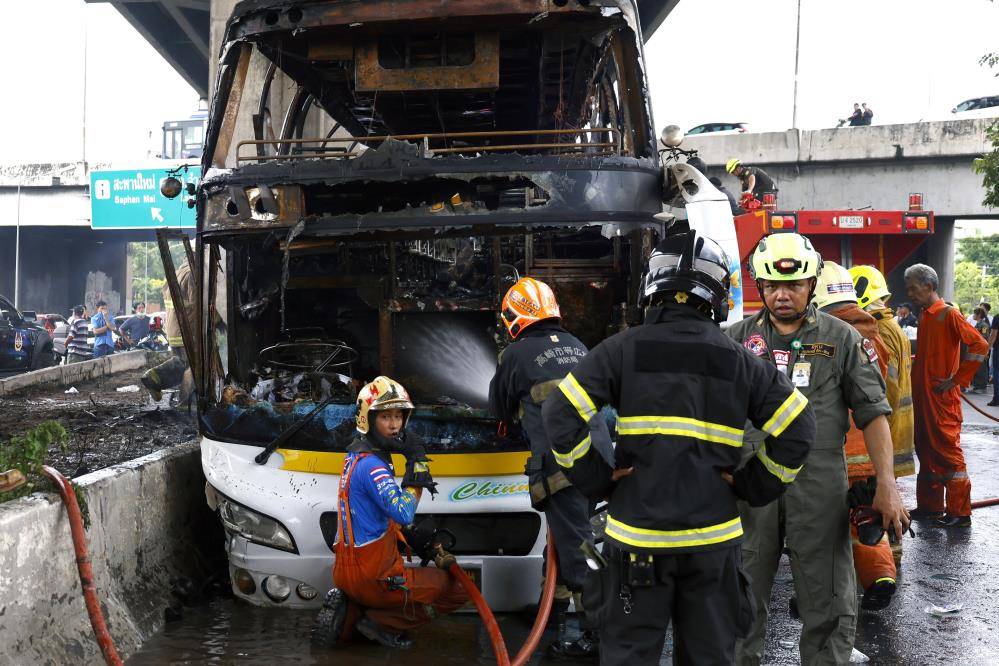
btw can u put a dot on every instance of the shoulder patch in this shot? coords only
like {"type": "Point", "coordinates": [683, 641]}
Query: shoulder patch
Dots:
{"type": "Point", "coordinates": [755, 344]}
{"type": "Point", "coordinates": [869, 350]}
{"type": "Point", "coordinates": [818, 349]}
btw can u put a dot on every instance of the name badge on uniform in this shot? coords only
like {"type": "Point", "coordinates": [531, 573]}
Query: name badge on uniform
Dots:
{"type": "Point", "coordinates": [801, 373]}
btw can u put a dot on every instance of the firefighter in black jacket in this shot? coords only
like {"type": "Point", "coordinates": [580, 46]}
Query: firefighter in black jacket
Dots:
{"type": "Point", "coordinates": [683, 392]}
{"type": "Point", "coordinates": [541, 355]}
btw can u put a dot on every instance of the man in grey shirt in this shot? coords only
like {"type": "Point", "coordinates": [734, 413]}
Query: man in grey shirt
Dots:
{"type": "Point", "coordinates": [77, 344]}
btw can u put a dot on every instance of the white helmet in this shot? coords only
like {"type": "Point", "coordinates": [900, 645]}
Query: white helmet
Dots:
{"type": "Point", "coordinates": [835, 285]}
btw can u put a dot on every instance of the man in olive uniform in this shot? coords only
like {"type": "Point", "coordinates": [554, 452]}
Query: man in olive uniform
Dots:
{"type": "Point", "coordinates": [828, 361]}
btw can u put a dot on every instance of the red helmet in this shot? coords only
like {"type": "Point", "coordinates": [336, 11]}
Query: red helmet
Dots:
{"type": "Point", "coordinates": [528, 302]}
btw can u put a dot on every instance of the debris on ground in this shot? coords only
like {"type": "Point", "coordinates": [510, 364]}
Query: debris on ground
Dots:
{"type": "Point", "coordinates": [858, 657]}
{"type": "Point", "coordinates": [105, 426]}
{"type": "Point", "coordinates": [943, 611]}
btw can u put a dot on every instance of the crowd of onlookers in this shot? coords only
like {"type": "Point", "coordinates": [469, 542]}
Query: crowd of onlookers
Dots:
{"type": "Point", "coordinates": [107, 336]}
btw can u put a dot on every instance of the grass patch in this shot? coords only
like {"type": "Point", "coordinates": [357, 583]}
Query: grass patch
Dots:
{"type": "Point", "coordinates": [28, 453]}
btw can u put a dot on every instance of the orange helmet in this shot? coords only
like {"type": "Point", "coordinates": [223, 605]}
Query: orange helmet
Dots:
{"type": "Point", "coordinates": [528, 302]}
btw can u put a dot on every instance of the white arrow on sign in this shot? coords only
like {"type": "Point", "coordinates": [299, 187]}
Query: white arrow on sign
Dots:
{"type": "Point", "coordinates": [156, 214]}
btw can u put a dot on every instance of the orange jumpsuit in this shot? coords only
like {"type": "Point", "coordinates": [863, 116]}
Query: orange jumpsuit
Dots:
{"type": "Point", "coordinates": [361, 572]}
{"type": "Point", "coordinates": [872, 563]}
{"type": "Point", "coordinates": [938, 416]}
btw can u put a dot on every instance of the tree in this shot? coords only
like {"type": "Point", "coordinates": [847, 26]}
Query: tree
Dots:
{"type": "Point", "coordinates": [982, 250]}
{"type": "Point", "coordinates": [972, 285]}
{"type": "Point", "coordinates": [987, 166]}
{"type": "Point", "coordinates": [148, 276]}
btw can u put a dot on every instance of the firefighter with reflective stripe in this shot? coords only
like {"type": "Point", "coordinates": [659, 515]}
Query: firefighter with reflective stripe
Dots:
{"type": "Point", "coordinates": [375, 594]}
{"type": "Point", "coordinates": [873, 564]}
{"type": "Point", "coordinates": [835, 368]}
{"type": "Point", "coordinates": [683, 392]}
{"type": "Point", "coordinates": [542, 353]}
{"type": "Point", "coordinates": [873, 295]}
{"type": "Point", "coordinates": [938, 375]}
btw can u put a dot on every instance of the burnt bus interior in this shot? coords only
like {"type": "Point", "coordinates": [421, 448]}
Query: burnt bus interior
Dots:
{"type": "Point", "coordinates": [420, 168]}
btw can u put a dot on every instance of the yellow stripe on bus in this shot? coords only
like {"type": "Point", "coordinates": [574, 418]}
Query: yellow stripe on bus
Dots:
{"type": "Point", "coordinates": [441, 464]}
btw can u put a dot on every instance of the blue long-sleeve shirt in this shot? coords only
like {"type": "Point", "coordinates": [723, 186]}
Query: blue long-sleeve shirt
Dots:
{"type": "Point", "coordinates": [375, 498]}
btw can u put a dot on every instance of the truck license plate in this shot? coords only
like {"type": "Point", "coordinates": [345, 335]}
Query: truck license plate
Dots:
{"type": "Point", "coordinates": [851, 221]}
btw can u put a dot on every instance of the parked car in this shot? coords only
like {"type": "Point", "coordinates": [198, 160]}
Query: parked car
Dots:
{"type": "Point", "coordinates": [718, 128]}
{"type": "Point", "coordinates": [24, 343]}
{"type": "Point", "coordinates": [977, 107]}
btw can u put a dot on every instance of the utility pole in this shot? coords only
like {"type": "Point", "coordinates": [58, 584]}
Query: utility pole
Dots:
{"type": "Point", "coordinates": [17, 253]}
{"type": "Point", "coordinates": [797, 43]}
{"type": "Point", "coordinates": [84, 143]}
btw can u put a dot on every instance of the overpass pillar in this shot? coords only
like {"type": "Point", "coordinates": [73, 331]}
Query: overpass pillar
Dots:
{"type": "Point", "coordinates": [940, 255]}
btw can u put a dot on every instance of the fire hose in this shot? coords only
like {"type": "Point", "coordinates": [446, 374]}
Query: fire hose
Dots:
{"type": "Point", "coordinates": [977, 409]}
{"type": "Point", "coordinates": [544, 610]}
{"type": "Point", "coordinates": [83, 565]}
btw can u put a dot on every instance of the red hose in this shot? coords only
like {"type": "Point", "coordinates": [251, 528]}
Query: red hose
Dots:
{"type": "Point", "coordinates": [83, 564]}
{"type": "Point", "coordinates": [975, 407]}
{"type": "Point", "coordinates": [547, 596]}
{"type": "Point", "coordinates": [981, 504]}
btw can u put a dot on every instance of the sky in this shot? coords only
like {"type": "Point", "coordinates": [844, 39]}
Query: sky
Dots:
{"type": "Point", "coordinates": [712, 61]}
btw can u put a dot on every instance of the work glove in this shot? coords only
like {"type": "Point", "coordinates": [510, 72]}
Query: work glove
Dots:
{"type": "Point", "coordinates": [444, 559]}
{"type": "Point", "coordinates": [861, 493]}
{"type": "Point", "coordinates": [417, 464]}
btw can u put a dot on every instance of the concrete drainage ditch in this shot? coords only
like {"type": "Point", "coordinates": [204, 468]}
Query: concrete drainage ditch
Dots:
{"type": "Point", "coordinates": [150, 527]}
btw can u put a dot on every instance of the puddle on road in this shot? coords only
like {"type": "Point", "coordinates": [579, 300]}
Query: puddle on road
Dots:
{"type": "Point", "coordinates": [227, 631]}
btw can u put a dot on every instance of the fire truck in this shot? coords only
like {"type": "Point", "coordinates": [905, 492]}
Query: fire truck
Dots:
{"type": "Point", "coordinates": [879, 238]}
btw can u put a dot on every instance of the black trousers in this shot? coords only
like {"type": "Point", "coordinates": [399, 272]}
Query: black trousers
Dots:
{"type": "Point", "coordinates": [568, 516]}
{"type": "Point", "coordinates": [705, 594]}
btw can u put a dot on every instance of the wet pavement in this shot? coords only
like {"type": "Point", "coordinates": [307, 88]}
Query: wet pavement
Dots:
{"type": "Point", "coordinates": [939, 567]}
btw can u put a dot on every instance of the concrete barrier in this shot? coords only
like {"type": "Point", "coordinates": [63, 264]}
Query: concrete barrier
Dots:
{"type": "Point", "coordinates": [149, 521]}
{"type": "Point", "coordinates": [72, 373]}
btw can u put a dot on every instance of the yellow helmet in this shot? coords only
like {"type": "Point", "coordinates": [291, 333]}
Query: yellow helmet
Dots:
{"type": "Point", "coordinates": [870, 285]}
{"type": "Point", "coordinates": [784, 257]}
{"type": "Point", "coordinates": [732, 165]}
{"type": "Point", "coordinates": [381, 394]}
{"type": "Point", "coordinates": [835, 285]}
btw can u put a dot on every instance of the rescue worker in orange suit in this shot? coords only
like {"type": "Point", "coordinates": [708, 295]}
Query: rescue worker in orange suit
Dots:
{"type": "Point", "coordinates": [873, 295]}
{"type": "Point", "coordinates": [683, 392]}
{"type": "Point", "coordinates": [375, 594]}
{"type": "Point", "coordinates": [937, 378]}
{"type": "Point", "coordinates": [542, 353]}
{"type": "Point", "coordinates": [875, 565]}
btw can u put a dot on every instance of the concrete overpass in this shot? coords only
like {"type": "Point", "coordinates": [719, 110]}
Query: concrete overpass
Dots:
{"type": "Point", "coordinates": [869, 167]}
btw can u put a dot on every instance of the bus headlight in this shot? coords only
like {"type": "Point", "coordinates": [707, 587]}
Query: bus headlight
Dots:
{"type": "Point", "coordinates": [277, 588]}
{"type": "Point", "coordinates": [255, 526]}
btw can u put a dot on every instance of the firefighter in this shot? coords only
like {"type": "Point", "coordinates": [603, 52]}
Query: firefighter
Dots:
{"type": "Point", "coordinates": [873, 564]}
{"type": "Point", "coordinates": [937, 378]}
{"type": "Point", "coordinates": [683, 392]}
{"type": "Point", "coordinates": [754, 180]}
{"type": "Point", "coordinates": [375, 594]}
{"type": "Point", "coordinates": [175, 370]}
{"type": "Point", "coordinates": [835, 368]}
{"type": "Point", "coordinates": [542, 353]}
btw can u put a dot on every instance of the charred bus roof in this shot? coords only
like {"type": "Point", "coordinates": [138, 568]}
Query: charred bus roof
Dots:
{"type": "Point", "coordinates": [433, 114]}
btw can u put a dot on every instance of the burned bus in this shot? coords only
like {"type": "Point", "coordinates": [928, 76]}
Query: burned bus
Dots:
{"type": "Point", "coordinates": [376, 174]}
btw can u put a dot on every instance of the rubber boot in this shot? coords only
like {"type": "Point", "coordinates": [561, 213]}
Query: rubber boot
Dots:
{"type": "Point", "coordinates": [879, 595]}
{"type": "Point", "coordinates": [584, 648]}
{"type": "Point", "coordinates": [382, 635]}
{"type": "Point", "coordinates": [328, 627]}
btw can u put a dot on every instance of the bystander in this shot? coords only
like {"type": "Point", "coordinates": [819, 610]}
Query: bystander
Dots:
{"type": "Point", "coordinates": [103, 325]}
{"type": "Point", "coordinates": [77, 344]}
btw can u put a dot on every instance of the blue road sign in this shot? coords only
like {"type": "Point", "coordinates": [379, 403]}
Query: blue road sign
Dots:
{"type": "Point", "coordinates": [132, 200]}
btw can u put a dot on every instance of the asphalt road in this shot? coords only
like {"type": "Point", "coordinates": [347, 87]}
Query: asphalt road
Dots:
{"type": "Point", "coordinates": [939, 567]}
